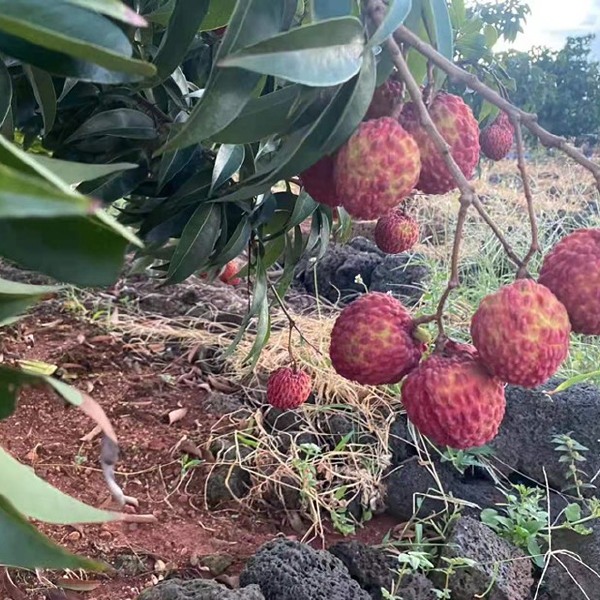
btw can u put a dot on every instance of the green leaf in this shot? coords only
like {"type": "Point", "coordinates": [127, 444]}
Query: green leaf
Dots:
{"type": "Point", "coordinates": [394, 17]}
{"type": "Point", "coordinates": [79, 250]}
{"type": "Point", "coordinates": [565, 385]}
{"type": "Point", "coordinates": [196, 244]}
{"type": "Point", "coordinates": [23, 546]}
{"type": "Point", "coordinates": [23, 488]}
{"type": "Point", "coordinates": [45, 95]}
{"type": "Point", "coordinates": [119, 122]}
{"type": "Point", "coordinates": [573, 512]}
{"type": "Point", "coordinates": [181, 31]}
{"type": "Point", "coordinates": [227, 163]}
{"type": "Point", "coordinates": [113, 8]}
{"type": "Point", "coordinates": [444, 37]}
{"type": "Point", "coordinates": [23, 196]}
{"type": "Point", "coordinates": [228, 90]}
{"type": "Point", "coordinates": [75, 172]}
{"type": "Point", "coordinates": [5, 92]}
{"type": "Point", "coordinates": [329, 9]}
{"type": "Point", "coordinates": [360, 96]}
{"type": "Point", "coordinates": [322, 54]}
{"type": "Point", "coordinates": [219, 13]}
{"type": "Point", "coordinates": [16, 298]}
{"type": "Point", "coordinates": [235, 244]}
{"type": "Point", "coordinates": [264, 116]}
{"type": "Point", "coordinates": [61, 27]}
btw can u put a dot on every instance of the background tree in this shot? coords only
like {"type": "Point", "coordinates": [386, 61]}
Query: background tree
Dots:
{"type": "Point", "coordinates": [562, 87]}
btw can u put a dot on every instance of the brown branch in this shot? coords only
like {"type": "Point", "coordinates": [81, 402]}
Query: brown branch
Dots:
{"type": "Point", "coordinates": [528, 195]}
{"type": "Point", "coordinates": [529, 120]}
{"type": "Point", "coordinates": [467, 198]}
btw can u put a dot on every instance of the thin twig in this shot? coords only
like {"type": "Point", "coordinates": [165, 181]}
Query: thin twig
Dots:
{"type": "Point", "coordinates": [529, 120]}
{"type": "Point", "coordinates": [293, 325]}
{"type": "Point", "coordinates": [527, 190]}
{"type": "Point", "coordinates": [467, 194]}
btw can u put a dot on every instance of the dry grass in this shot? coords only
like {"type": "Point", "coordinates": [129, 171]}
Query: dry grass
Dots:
{"type": "Point", "coordinates": [312, 472]}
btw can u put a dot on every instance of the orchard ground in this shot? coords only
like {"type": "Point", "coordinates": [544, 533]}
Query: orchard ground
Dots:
{"type": "Point", "coordinates": [149, 355]}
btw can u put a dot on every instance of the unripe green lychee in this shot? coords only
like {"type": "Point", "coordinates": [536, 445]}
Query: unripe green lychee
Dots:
{"type": "Point", "coordinates": [373, 341]}
{"type": "Point", "coordinates": [497, 139]}
{"type": "Point", "coordinates": [376, 168]}
{"type": "Point", "coordinates": [288, 388]}
{"type": "Point", "coordinates": [385, 99]}
{"type": "Point", "coordinates": [571, 270]}
{"type": "Point", "coordinates": [319, 183]}
{"type": "Point", "coordinates": [396, 232]}
{"type": "Point", "coordinates": [453, 399]}
{"type": "Point", "coordinates": [457, 125]}
{"type": "Point", "coordinates": [521, 333]}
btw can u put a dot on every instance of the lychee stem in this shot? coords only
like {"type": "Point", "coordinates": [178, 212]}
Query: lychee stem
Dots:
{"type": "Point", "coordinates": [468, 196]}
{"type": "Point", "coordinates": [527, 190]}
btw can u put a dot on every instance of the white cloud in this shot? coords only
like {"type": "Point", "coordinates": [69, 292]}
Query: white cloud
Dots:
{"type": "Point", "coordinates": [550, 22]}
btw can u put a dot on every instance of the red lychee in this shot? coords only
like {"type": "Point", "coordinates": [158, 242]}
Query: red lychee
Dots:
{"type": "Point", "coordinates": [497, 139]}
{"type": "Point", "coordinates": [457, 125]}
{"type": "Point", "coordinates": [319, 183]}
{"type": "Point", "coordinates": [372, 341]}
{"type": "Point", "coordinates": [288, 388]}
{"type": "Point", "coordinates": [396, 232]}
{"type": "Point", "coordinates": [385, 99]}
{"type": "Point", "coordinates": [521, 333]}
{"type": "Point", "coordinates": [229, 272]}
{"type": "Point", "coordinates": [452, 399]}
{"type": "Point", "coordinates": [376, 168]}
{"type": "Point", "coordinates": [571, 270]}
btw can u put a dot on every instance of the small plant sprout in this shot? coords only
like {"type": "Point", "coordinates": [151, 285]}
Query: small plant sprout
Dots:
{"type": "Point", "coordinates": [572, 455]}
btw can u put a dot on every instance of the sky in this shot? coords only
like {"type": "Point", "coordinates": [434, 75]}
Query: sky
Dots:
{"type": "Point", "coordinates": [551, 21]}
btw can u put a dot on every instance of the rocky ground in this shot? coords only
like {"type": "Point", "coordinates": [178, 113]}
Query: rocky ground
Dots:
{"type": "Point", "coordinates": [338, 500]}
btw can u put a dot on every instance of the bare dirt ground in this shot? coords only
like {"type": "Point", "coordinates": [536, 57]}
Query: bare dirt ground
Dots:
{"type": "Point", "coordinates": [138, 386]}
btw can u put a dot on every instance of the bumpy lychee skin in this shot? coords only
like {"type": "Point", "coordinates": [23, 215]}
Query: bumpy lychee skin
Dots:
{"type": "Point", "coordinates": [372, 341]}
{"type": "Point", "coordinates": [319, 183]}
{"type": "Point", "coordinates": [396, 232]}
{"type": "Point", "coordinates": [376, 168]}
{"type": "Point", "coordinates": [385, 99]}
{"type": "Point", "coordinates": [571, 270]}
{"type": "Point", "coordinates": [288, 388]}
{"type": "Point", "coordinates": [497, 139]}
{"type": "Point", "coordinates": [455, 121]}
{"type": "Point", "coordinates": [521, 333]}
{"type": "Point", "coordinates": [452, 399]}
{"type": "Point", "coordinates": [229, 272]}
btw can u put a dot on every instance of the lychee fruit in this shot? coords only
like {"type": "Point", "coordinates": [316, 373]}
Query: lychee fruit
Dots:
{"type": "Point", "coordinates": [373, 342]}
{"type": "Point", "coordinates": [522, 333]}
{"type": "Point", "coordinates": [457, 125]}
{"type": "Point", "coordinates": [571, 270]}
{"type": "Point", "coordinates": [288, 388]}
{"type": "Point", "coordinates": [453, 399]}
{"type": "Point", "coordinates": [385, 99]}
{"type": "Point", "coordinates": [497, 139]}
{"type": "Point", "coordinates": [376, 168]}
{"type": "Point", "coordinates": [396, 232]}
{"type": "Point", "coordinates": [319, 184]}
{"type": "Point", "coordinates": [229, 272]}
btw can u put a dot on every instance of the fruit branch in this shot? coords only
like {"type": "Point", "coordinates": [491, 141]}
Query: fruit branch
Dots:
{"type": "Point", "coordinates": [529, 120]}
{"type": "Point", "coordinates": [376, 10]}
{"type": "Point", "coordinates": [528, 195]}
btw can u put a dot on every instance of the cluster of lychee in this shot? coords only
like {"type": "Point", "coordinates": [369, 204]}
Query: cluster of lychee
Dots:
{"type": "Point", "coordinates": [520, 333]}
{"type": "Point", "coordinates": [390, 156]}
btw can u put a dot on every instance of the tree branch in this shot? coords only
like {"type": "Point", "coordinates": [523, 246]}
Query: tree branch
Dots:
{"type": "Point", "coordinates": [529, 120]}
{"type": "Point", "coordinates": [528, 195]}
{"type": "Point", "coordinates": [468, 197]}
